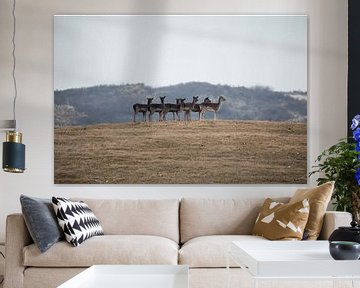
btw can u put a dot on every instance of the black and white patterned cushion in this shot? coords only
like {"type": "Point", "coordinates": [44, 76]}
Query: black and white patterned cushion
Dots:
{"type": "Point", "coordinates": [77, 220]}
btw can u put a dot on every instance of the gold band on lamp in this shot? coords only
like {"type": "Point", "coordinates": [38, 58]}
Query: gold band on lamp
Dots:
{"type": "Point", "coordinates": [13, 136]}
{"type": "Point", "coordinates": [13, 170]}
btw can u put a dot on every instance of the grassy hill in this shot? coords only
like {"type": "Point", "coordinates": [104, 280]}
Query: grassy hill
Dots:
{"type": "Point", "coordinates": [197, 152]}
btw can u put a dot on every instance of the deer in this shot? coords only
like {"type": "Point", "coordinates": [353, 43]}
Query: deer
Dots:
{"type": "Point", "coordinates": [187, 108]}
{"type": "Point", "coordinates": [143, 108]}
{"type": "Point", "coordinates": [157, 107]}
{"type": "Point", "coordinates": [197, 106]}
{"type": "Point", "coordinates": [180, 107]}
{"type": "Point", "coordinates": [213, 107]}
{"type": "Point", "coordinates": [173, 108]}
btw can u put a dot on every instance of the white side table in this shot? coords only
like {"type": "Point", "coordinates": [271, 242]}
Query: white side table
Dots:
{"type": "Point", "coordinates": [131, 276]}
{"type": "Point", "coordinates": [294, 260]}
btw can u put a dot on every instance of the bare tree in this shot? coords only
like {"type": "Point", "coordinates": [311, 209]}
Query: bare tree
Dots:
{"type": "Point", "coordinates": [66, 115]}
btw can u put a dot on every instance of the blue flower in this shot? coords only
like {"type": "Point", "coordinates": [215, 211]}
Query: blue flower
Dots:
{"type": "Point", "coordinates": [355, 122]}
{"type": "Point", "coordinates": [357, 176]}
{"type": "Point", "coordinates": [356, 134]}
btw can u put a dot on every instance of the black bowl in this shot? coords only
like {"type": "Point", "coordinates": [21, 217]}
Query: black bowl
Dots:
{"type": "Point", "coordinates": [344, 250]}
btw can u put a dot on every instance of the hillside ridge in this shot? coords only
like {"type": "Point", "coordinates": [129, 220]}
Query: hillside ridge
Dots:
{"type": "Point", "coordinates": [114, 103]}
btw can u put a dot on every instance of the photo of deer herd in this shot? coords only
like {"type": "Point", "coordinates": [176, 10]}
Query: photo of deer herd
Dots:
{"type": "Point", "coordinates": [180, 99]}
{"type": "Point", "coordinates": [177, 108]}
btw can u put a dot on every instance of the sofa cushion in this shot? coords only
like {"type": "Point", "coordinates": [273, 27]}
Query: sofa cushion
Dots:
{"type": "Point", "coordinates": [279, 221]}
{"type": "Point", "coordinates": [158, 217]}
{"type": "Point", "coordinates": [77, 220]}
{"type": "Point", "coordinates": [319, 198]}
{"type": "Point", "coordinates": [211, 251]}
{"type": "Point", "coordinates": [201, 217]}
{"type": "Point", "coordinates": [41, 221]}
{"type": "Point", "coordinates": [107, 249]}
{"type": "Point", "coordinates": [35, 277]}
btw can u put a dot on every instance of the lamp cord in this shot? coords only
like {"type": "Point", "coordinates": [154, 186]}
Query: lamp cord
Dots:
{"type": "Point", "coordinates": [14, 61]}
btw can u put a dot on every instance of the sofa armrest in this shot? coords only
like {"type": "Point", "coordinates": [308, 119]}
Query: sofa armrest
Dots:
{"type": "Point", "coordinates": [17, 237]}
{"type": "Point", "coordinates": [333, 220]}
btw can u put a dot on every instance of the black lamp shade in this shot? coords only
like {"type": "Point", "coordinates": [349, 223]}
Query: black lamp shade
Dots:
{"type": "Point", "coordinates": [13, 157]}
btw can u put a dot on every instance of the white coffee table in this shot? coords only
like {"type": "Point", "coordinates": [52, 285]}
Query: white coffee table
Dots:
{"type": "Point", "coordinates": [131, 276]}
{"type": "Point", "coordinates": [298, 260]}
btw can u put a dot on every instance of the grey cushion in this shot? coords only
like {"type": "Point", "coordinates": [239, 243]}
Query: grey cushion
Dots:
{"type": "Point", "coordinates": [41, 221]}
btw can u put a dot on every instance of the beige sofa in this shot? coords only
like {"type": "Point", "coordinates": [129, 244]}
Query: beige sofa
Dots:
{"type": "Point", "coordinates": [194, 232]}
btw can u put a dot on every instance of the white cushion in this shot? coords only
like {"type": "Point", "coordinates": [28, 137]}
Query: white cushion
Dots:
{"type": "Point", "coordinates": [211, 251]}
{"type": "Point", "coordinates": [76, 220]}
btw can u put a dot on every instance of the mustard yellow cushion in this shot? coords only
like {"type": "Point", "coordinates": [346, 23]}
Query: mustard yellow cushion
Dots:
{"type": "Point", "coordinates": [279, 221]}
{"type": "Point", "coordinates": [319, 198]}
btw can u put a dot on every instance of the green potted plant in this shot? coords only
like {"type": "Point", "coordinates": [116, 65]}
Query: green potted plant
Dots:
{"type": "Point", "coordinates": [341, 163]}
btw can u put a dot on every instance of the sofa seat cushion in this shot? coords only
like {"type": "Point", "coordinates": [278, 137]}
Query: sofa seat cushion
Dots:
{"type": "Point", "coordinates": [211, 251]}
{"type": "Point", "coordinates": [107, 249]}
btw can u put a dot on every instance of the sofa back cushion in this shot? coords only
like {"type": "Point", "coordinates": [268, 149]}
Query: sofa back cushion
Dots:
{"type": "Point", "coordinates": [158, 217]}
{"type": "Point", "coordinates": [200, 217]}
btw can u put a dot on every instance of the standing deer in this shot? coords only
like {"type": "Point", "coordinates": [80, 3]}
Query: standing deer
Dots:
{"type": "Point", "coordinates": [188, 107]}
{"type": "Point", "coordinates": [143, 108]}
{"type": "Point", "coordinates": [157, 107]}
{"type": "Point", "coordinates": [213, 107]}
{"type": "Point", "coordinates": [173, 108]}
{"type": "Point", "coordinates": [180, 107]}
{"type": "Point", "coordinates": [197, 106]}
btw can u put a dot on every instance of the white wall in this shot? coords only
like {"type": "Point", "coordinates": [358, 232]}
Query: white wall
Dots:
{"type": "Point", "coordinates": [327, 89]}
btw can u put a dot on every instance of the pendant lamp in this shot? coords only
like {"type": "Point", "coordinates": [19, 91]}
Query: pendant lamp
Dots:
{"type": "Point", "coordinates": [13, 149]}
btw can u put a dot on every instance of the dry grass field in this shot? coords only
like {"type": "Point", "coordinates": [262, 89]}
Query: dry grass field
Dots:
{"type": "Point", "coordinates": [206, 152]}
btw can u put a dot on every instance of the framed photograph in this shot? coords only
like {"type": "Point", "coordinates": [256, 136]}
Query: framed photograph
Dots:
{"type": "Point", "coordinates": [180, 99]}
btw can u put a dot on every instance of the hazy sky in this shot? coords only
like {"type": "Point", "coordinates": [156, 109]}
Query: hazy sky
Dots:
{"type": "Point", "coordinates": [164, 50]}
